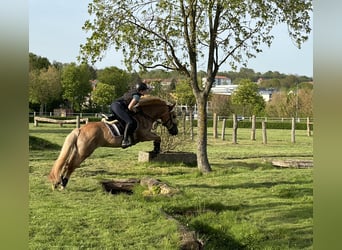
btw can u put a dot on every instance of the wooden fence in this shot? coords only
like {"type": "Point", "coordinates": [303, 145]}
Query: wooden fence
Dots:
{"type": "Point", "coordinates": [253, 128]}
{"type": "Point", "coordinates": [77, 121]}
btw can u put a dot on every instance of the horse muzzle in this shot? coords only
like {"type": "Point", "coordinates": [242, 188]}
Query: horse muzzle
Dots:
{"type": "Point", "coordinates": [173, 130]}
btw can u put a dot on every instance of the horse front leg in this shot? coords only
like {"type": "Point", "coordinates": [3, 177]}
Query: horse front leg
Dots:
{"type": "Point", "coordinates": [156, 144]}
{"type": "Point", "coordinates": [150, 136]}
{"type": "Point", "coordinates": [156, 147]}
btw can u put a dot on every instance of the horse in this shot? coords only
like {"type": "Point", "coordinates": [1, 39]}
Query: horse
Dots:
{"type": "Point", "coordinates": [81, 142]}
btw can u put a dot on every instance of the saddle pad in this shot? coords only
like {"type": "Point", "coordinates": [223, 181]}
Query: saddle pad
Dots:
{"type": "Point", "coordinates": [113, 129]}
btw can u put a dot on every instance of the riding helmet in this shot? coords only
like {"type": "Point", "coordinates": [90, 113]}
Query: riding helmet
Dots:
{"type": "Point", "coordinates": [141, 86]}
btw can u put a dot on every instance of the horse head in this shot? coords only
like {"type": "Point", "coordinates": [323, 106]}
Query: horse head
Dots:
{"type": "Point", "coordinates": [159, 109]}
{"type": "Point", "coordinates": [169, 120]}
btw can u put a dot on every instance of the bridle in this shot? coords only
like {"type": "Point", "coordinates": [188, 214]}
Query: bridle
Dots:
{"type": "Point", "coordinates": [169, 124]}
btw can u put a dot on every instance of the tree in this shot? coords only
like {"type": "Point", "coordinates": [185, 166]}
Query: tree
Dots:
{"type": "Point", "coordinates": [292, 103]}
{"type": "Point", "coordinates": [247, 95]}
{"type": "Point", "coordinates": [183, 93]}
{"type": "Point", "coordinates": [278, 106]}
{"type": "Point", "coordinates": [38, 62]}
{"type": "Point", "coordinates": [181, 35]}
{"type": "Point", "coordinates": [76, 84]}
{"type": "Point", "coordinates": [221, 104]}
{"type": "Point", "coordinates": [44, 86]}
{"type": "Point", "coordinates": [103, 95]}
{"type": "Point", "coordinates": [305, 102]}
{"type": "Point", "coordinates": [270, 83]}
{"type": "Point", "coordinates": [116, 77]}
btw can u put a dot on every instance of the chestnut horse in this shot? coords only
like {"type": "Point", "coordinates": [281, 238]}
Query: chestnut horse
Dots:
{"type": "Point", "coordinates": [82, 142]}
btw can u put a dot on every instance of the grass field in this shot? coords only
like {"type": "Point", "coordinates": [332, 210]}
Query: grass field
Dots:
{"type": "Point", "coordinates": [244, 203]}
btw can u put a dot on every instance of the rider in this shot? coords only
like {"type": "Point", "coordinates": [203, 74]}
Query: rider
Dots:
{"type": "Point", "coordinates": [124, 106]}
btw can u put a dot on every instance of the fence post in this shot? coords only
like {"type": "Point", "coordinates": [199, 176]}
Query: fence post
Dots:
{"type": "Point", "coordinates": [264, 134]}
{"type": "Point", "coordinates": [184, 120]}
{"type": "Point", "coordinates": [223, 128]}
{"type": "Point", "coordinates": [77, 121]}
{"type": "Point", "coordinates": [293, 130]}
{"type": "Point", "coordinates": [191, 123]}
{"type": "Point", "coordinates": [308, 131]}
{"type": "Point", "coordinates": [35, 122]}
{"type": "Point", "coordinates": [235, 127]}
{"type": "Point", "coordinates": [215, 125]}
{"type": "Point", "coordinates": [253, 128]}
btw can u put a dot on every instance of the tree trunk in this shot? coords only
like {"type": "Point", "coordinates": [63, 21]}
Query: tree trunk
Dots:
{"type": "Point", "coordinates": [202, 155]}
{"type": "Point", "coordinates": [41, 109]}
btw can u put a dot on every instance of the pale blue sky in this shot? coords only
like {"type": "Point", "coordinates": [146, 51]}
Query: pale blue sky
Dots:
{"type": "Point", "coordinates": [55, 32]}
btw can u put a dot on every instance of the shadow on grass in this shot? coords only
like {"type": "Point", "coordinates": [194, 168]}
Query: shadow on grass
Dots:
{"type": "Point", "coordinates": [296, 235]}
{"type": "Point", "coordinates": [216, 239]}
{"type": "Point", "coordinates": [36, 143]}
{"type": "Point", "coordinates": [267, 156]}
{"type": "Point", "coordinates": [123, 174]}
{"type": "Point", "coordinates": [213, 238]}
{"type": "Point", "coordinates": [195, 210]}
{"type": "Point", "coordinates": [65, 131]}
{"type": "Point", "coordinates": [266, 184]}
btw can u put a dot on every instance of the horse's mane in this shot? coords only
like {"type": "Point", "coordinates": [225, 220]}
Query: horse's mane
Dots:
{"type": "Point", "coordinates": [151, 101]}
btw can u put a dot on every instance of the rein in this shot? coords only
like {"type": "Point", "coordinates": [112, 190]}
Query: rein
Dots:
{"type": "Point", "coordinates": [153, 120]}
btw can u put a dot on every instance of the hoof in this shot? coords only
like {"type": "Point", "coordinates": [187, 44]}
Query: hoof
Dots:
{"type": "Point", "coordinates": [54, 186]}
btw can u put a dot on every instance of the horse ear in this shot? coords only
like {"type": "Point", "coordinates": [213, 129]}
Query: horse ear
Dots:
{"type": "Point", "coordinates": [171, 106]}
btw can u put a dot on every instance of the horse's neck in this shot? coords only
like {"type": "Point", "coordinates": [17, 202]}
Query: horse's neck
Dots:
{"type": "Point", "coordinates": [152, 113]}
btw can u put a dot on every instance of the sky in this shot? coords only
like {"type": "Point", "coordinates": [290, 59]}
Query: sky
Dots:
{"type": "Point", "coordinates": [55, 32]}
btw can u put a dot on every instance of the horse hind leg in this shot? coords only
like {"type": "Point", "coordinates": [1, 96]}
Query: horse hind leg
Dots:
{"type": "Point", "coordinates": [68, 170]}
{"type": "Point", "coordinates": [64, 160]}
{"type": "Point", "coordinates": [75, 161]}
{"type": "Point", "coordinates": [63, 178]}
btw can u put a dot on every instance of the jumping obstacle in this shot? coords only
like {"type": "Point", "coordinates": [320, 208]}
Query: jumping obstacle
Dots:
{"type": "Point", "coordinates": [171, 157]}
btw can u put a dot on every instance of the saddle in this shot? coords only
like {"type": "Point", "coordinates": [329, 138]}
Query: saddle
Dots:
{"type": "Point", "coordinates": [113, 124]}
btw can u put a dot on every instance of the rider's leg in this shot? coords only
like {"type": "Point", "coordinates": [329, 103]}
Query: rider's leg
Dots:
{"type": "Point", "coordinates": [128, 139]}
{"type": "Point", "coordinates": [130, 124]}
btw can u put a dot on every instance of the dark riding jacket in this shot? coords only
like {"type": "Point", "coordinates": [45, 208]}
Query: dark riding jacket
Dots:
{"type": "Point", "coordinates": [128, 96]}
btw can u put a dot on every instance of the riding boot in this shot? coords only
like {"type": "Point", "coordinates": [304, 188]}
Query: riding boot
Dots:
{"type": "Point", "coordinates": [127, 140]}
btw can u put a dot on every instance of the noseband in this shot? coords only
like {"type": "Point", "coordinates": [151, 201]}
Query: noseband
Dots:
{"type": "Point", "coordinates": [173, 130]}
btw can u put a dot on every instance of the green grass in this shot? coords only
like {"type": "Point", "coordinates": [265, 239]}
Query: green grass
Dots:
{"type": "Point", "coordinates": [244, 203]}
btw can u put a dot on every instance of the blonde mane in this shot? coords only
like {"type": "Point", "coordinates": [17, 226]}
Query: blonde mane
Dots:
{"type": "Point", "coordinates": [151, 100]}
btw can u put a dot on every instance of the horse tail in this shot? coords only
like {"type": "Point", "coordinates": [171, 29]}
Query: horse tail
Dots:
{"type": "Point", "coordinates": [65, 156]}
